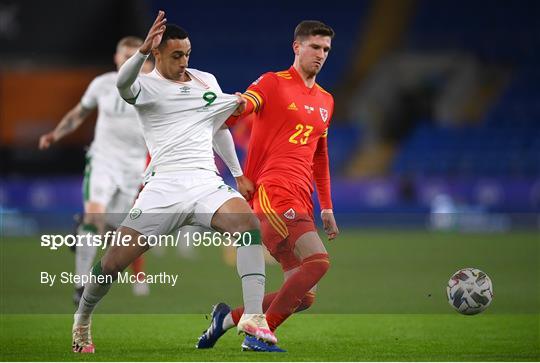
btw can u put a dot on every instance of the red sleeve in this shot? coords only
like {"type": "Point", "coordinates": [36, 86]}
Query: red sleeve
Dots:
{"type": "Point", "coordinates": [258, 92]}
{"type": "Point", "coordinates": [256, 96]}
{"type": "Point", "coordinates": [321, 173]}
{"type": "Point", "coordinates": [231, 121]}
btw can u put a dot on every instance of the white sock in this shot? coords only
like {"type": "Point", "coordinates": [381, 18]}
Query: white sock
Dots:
{"type": "Point", "coordinates": [228, 322]}
{"type": "Point", "coordinates": [92, 294]}
{"type": "Point", "coordinates": [250, 266]}
{"type": "Point", "coordinates": [85, 254]}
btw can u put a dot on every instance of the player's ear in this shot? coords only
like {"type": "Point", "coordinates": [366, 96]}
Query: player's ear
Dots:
{"type": "Point", "coordinates": [155, 53]}
{"type": "Point", "coordinates": [296, 47]}
{"type": "Point", "coordinates": [116, 59]}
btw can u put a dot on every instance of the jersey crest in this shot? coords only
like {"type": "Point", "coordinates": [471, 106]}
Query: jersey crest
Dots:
{"type": "Point", "coordinates": [324, 114]}
{"type": "Point", "coordinates": [290, 214]}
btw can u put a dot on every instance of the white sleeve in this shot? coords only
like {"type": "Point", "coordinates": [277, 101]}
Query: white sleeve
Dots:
{"type": "Point", "coordinates": [127, 83]}
{"type": "Point", "coordinates": [224, 146]}
{"type": "Point", "coordinates": [90, 98]}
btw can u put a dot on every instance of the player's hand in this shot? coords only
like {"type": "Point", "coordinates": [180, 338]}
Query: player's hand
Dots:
{"type": "Point", "coordinates": [242, 103]}
{"type": "Point", "coordinates": [154, 34]}
{"type": "Point", "coordinates": [245, 187]}
{"type": "Point", "coordinates": [45, 141]}
{"type": "Point", "coordinates": [329, 222]}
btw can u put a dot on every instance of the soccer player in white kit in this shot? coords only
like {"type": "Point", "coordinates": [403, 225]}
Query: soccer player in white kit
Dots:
{"type": "Point", "coordinates": [182, 112]}
{"type": "Point", "coordinates": [115, 161]}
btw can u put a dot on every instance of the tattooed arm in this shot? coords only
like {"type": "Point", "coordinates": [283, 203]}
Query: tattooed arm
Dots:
{"type": "Point", "coordinates": [69, 123]}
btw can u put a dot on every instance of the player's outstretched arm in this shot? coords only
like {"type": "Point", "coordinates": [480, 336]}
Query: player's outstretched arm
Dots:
{"type": "Point", "coordinates": [69, 123]}
{"type": "Point", "coordinates": [224, 146]}
{"type": "Point", "coordinates": [245, 186]}
{"type": "Point", "coordinates": [127, 75]}
{"type": "Point", "coordinates": [242, 105]}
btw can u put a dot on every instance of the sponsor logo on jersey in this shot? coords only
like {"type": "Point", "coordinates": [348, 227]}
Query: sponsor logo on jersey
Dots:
{"type": "Point", "coordinates": [185, 89]}
{"type": "Point", "coordinates": [309, 109]}
{"type": "Point", "coordinates": [324, 114]}
{"type": "Point", "coordinates": [292, 107]}
{"type": "Point", "coordinates": [135, 213]}
{"type": "Point", "coordinates": [290, 214]}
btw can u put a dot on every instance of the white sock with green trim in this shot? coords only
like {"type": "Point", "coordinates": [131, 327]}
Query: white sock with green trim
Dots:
{"type": "Point", "coordinates": [93, 293]}
{"type": "Point", "coordinates": [251, 269]}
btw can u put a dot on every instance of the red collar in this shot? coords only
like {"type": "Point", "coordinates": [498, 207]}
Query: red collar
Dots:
{"type": "Point", "coordinates": [298, 78]}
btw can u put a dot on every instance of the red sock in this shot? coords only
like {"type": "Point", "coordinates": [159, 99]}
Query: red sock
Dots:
{"type": "Point", "coordinates": [236, 314]}
{"type": "Point", "coordinates": [307, 301]}
{"type": "Point", "coordinates": [137, 265]}
{"type": "Point", "coordinates": [289, 297]}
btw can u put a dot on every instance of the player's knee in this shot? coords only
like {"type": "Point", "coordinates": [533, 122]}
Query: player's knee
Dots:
{"type": "Point", "coordinates": [306, 303]}
{"type": "Point", "coordinates": [113, 262]}
{"type": "Point", "coordinates": [318, 264]}
{"type": "Point", "coordinates": [244, 222]}
{"type": "Point", "coordinates": [251, 223]}
{"type": "Point", "coordinates": [94, 210]}
{"type": "Point", "coordinates": [110, 267]}
{"type": "Point", "coordinates": [96, 220]}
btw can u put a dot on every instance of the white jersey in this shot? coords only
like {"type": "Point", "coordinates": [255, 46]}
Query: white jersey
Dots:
{"type": "Point", "coordinates": [179, 119]}
{"type": "Point", "coordinates": [118, 140]}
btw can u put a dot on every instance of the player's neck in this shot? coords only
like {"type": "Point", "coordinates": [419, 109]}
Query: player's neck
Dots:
{"type": "Point", "coordinates": [183, 77]}
{"type": "Point", "coordinates": [308, 79]}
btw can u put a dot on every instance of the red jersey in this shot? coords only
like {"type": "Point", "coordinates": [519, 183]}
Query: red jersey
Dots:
{"type": "Point", "coordinates": [289, 136]}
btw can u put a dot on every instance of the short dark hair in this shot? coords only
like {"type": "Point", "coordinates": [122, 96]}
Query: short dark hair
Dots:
{"type": "Point", "coordinates": [307, 28]}
{"type": "Point", "coordinates": [173, 31]}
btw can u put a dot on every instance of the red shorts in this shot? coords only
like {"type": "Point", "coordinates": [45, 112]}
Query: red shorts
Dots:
{"type": "Point", "coordinates": [286, 213]}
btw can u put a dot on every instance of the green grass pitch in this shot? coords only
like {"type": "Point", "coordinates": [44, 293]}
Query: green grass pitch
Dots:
{"type": "Point", "coordinates": [383, 299]}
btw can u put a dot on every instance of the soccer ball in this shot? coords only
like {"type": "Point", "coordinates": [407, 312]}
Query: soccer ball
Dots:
{"type": "Point", "coordinates": [469, 291]}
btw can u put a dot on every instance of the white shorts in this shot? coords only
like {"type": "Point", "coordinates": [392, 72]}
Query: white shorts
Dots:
{"type": "Point", "coordinates": [114, 189]}
{"type": "Point", "coordinates": [170, 200]}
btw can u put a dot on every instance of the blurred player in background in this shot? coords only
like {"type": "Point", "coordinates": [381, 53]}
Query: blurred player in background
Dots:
{"type": "Point", "coordinates": [287, 150]}
{"type": "Point", "coordinates": [114, 163]}
{"type": "Point", "coordinates": [182, 111]}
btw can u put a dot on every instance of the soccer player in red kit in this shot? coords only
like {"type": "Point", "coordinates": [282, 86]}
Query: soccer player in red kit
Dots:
{"type": "Point", "coordinates": [287, 152]}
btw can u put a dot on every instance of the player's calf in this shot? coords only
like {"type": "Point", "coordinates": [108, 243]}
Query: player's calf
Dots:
{"type": "Point", "coordinates": [235, 215]}
{"type": "Point", "coordinates": [306, 303]}
{"type": "Point", "coordinates": [105, 272]}
{"type": "Point", "coordinates": [296, 288]}
{"type": "Point", "coordinates": [118, 257]}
